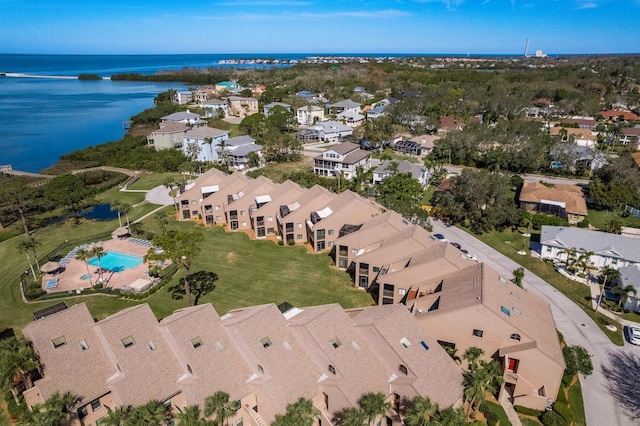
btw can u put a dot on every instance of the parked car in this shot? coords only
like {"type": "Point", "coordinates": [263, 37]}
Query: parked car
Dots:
{"type": "Point", "coordinates": [439, 236]}
{"type": "Point", "coordinates": [633, 333]}
{"type": "Point", "coordinates": [456, 245]}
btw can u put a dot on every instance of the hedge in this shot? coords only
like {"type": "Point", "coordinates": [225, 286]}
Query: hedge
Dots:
{"type": "Point", "coordinates": [551, 418]}
{"type": "Point", "coordinates": [527, 411]}
{"type": "Point", "coordinates": [564, 410]}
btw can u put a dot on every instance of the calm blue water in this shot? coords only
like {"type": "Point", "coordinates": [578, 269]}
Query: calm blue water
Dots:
{"type": "Point", "coordinates": [116, 262]}
{"type": "Point", "coordinates": [41, 119]}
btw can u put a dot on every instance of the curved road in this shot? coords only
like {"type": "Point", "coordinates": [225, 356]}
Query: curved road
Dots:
{"type": "Point", "coordinates": [576, 326]}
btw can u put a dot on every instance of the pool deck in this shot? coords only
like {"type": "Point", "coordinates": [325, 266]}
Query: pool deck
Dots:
{"type": "Point", "coordinates": [70, 279]}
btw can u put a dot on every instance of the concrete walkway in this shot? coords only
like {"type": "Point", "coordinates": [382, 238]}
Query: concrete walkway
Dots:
{"type": "Point", "coordinates": [508, 408]}
{"type": "Point", "coordinates": [159, 195]}
{"type": "Point", "coordinates": [576, 326]}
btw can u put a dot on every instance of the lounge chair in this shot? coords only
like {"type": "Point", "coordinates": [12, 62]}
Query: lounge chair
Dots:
{"type": "Point", "coordinates": [52, 283]}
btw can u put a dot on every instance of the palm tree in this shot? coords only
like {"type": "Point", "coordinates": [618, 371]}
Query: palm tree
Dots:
{"type": "Point", "coordinates": [126, 208]}
{"type": "Point", "coordinates": [117, 416]}
{"type": "Point", "coordinates": [191, 416]}
{"type": "Point", "coordinates": [150, 414]}
{"type": "Point", "coordinates": [353, 417]}
{"type": "Point", "coordinates": [121, 207]}
{"type": "Point", "coordinates": [224, 155]}
{"type": "Point", "coordinates": [486, 377]}
{"type": "Point", "coordinates": [162, 220]}
{"type": "Point", "coordinates": [115, 206]}
{"type": "Point", "coordinates": [451, 417]}
{"type": "Point", "coordinates": [98, 252]}
{"type": "Point", "coordinates": [170, 183]}
{"type": "Point", "coordinates": [84, 255]}
{"type": "Point", "coordinates": [472, 355]}
{"type": "Point", "coordinates": [17, 359]}
{"type": "Point", "coordinates": [303, 412]}
{"type": "Point", "coordinates": [374, 405]}
{"type": "Point", "coordinates": [452, 352]}
{"type": "Point", "coordinates": [624, 293]}
{"type": "Point", "coordinates": [393, 167]}
{"type": "Point", "coordinates": [209, 141]}
{"type": "Point", "coordinates": [25, 247]}
{"type": "Point", "coordinates": [219, 404]}
{"type": "Point", "coordinates": [518, 275]}
{"type": "Point", "coordinates": [421, 412]}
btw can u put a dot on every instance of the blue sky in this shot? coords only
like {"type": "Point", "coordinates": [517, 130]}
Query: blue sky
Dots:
{"type": "Point", "coordinates": [319, 26]}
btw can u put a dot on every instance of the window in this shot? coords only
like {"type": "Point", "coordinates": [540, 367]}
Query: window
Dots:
{"type": "Point", "coordinates": [424, 345]}
{"type": "Point", "coordinates": [354, 251]}
{"type": "Point", "coordinates": [84, 345]}
{"type": "Point", "coordinates": [241, 212]}
{"type": "Point", "coordinates": [240, 422]}
{"type": "Point", "coordinates": [152, 345]}
{"type": "Point", "coordinates": [82, 412]}
{"type": "Point", "coordinates": [217, 207]}
{"type": "Point", "coordinates": [270, 219]}
{"type": "Point", "coordinates": [128, 342]}
{"type": "Point", "coordinates": [332, 369]}
{"type": "Point", "coordinates": [196, 342]}
{"type": "Point", "coordinates": [218, 217]}
{"type": "Point", "coordinates": [298, 236]}
{"type": "Point", "coordinates": [243, 224]}
{"type": "Point", "coordinates": [95, 405]}
{"type": "Point", "coordinates": [266, 342]}
{"type": "Point", "coordinates": [403, 369]}
{"type": "Point", "coordinates": [335, 342]}
{"type": "Point", "coordinates": [330, 243]}
{"type": "Point", "coordinates": [405, 342]}
{"type": "Point", "coordinates": [515, 336]}
{"type": "Point", "coordinates": [402, 291]}
{"type": "Point", "coordinates": [271, 231]}
{"type": "Point", "coordinates": [299, 225]}
{"type": "Point", "coordinates": [260, 369]}
{"type": "Point", "coordinates": [330, 231]}
{"type": "Point", "coordinates": [286, 345]}
{"type": "Point", "coordinates": [59, 341]}
{"type": "Point", "coordinates": [477, 333]}
{"type": "Point", "coordinates": [505, 311]}
{"type": "Point", "coordinates": [376, 269]}
{"type": "Point", "coordinates": [320, 234]}
{"type": "Point", "coordinates": [193, 202]}
{"type": "Point", "coordinates": [516, 310]}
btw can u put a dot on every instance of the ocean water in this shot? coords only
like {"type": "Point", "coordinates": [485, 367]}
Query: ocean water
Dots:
{"type": "Point", "coordinates": [43, 118]}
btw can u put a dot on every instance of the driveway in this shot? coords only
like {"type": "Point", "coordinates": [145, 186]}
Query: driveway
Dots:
{"type": "Point", "coordinates": [571, 321]}
{"type": "Point", "coordinates": [159, 195]}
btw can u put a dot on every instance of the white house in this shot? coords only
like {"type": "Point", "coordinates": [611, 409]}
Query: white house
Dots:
{"type": "Point", "coordinates": [215, 108]}
{"type": "Point", "coordinates": [346, 105]}
{"type": "Point", "coordinates": [238, 149]}
{"type": "Point", "coordinates": [351, 118]}
{"type": "Point", "coordinates": [309, 114]}
{"type": "Point", "coordinates": [342, 160]}
{"type": "Point", "coordinates": [266, 110]}
{"type": "Point", "coordinates": [615, 251]}
{"type": "Point", "coordinates": [200, 143]}
{"type": "Point", "coordinates": [630, 275]}
{"type": "Point", "coordinates": [417, 171]}
{"type": "Point", "coordinates": [184, 117]}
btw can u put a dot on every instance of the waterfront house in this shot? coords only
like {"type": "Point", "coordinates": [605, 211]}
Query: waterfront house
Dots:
{"type": "Point", "coordinates": [184, 117]}
{"type": "Point", "coordinates": [229, 86]}
{"type": "Point", "coordinates": [309, 114]}
{"type": "Point", "coordinates": [242, 107]}
{"type": "Point", "coordinates": [200, 143]}
{"type": "Point", "coordinates": [215, 108]}
{"type": "Point", "coordinates": [342, 160]}
{"type": "Point", "coordinates": [168, 136]}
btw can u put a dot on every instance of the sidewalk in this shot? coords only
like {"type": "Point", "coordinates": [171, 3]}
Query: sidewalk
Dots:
{"type": "Point", "coordinates": [595, 299]}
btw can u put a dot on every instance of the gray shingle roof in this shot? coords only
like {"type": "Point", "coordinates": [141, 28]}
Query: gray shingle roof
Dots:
{"type": "Point", "coordinates": [611, 245]}
{"type": "Point", "coordinates": [404, 166]}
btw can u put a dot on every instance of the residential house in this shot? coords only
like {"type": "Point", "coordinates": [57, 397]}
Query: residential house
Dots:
{"type": "Point", "coordinates": [325, 131]}
{"type": "Point", "coordinates": [477, 307]}
{"type": "Point", "coordinates": [264, 217]}
{"type": "Point", "coordinates": [200, 143]}
{"type": "Point", "coordinates": [308, 96]}
{"type": "Point", "coordinates": [184, 117]}
{"type": "Point", "coordinates": [568, 155]}
{"type": "Point", "coordinates": [588, 123]}
{"type": "Point", "coordinates": [214, 203]}
{"type": "Point", "coordinates": [408, 147]}
{"type": "Point", "coordinates": [630, 276]}
{"type": "Point", "coordinates": [427, 142]}
{"type": "Point", "coordinates": [242, 107]}
{"type": "Point", "coordinates": [342, 160]}
{"type": "Point", "coordinates": [581, 137]}
{"type": "Point", "coordinates": [292, 217]}
{"type": "Point", "coordinates": [229, 86]}
{"type": "Point", "coordinates": [630, 136]}
{"type": "Point", "coordinates": [267, 108]}
{"type": "Point", "coordinates": [376, 112]}
{"type": "Point", "coordinates": [191, 198]}
{"type": "Point", "coordinates": [619, 115]}
{"type": "Point", "coordinates": [449, 123]}
{"type": "Point", "coordinates": [216, 108]}
{"type": "Point", "coordinates": [264, 357]}
{"type": "Point", "coordinates": [564, 201]}
{"type": "Point", "coordinates": [168, 136]}
{"type": "Point", "coordinates": [351, 118]}
{"type": "Point", "coordinates": [358, 239]}
{"type": "Point", "coordinates": [604, 249]}
{"type": "Point", "coordinates": [346, 105]}
{"type": "Point", "coordinates": [309, 114]}
{"type": "Point", "coordinates": [183, 98]}
{"type": "Point", "coordinates": [237, 150]}
{"type": "Point", "coordinates": [347, 209]}
{"type": "Point", "coordinates": [417, 171]}
{"type": "Point", "coordinates": [238, 206]}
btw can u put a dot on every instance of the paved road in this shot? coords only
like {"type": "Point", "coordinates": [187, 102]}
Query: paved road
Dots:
{"type": "Point", "coordinates": [600, 407]}
{"type": "Point", "coordinates": [159, 195]}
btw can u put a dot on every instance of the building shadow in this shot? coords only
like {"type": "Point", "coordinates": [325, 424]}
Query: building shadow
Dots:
{"type": "Point", "coordinates": [622, 376]}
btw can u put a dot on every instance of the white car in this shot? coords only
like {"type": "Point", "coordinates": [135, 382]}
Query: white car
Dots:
{"type": "Point", "coordinates": [633, 333]}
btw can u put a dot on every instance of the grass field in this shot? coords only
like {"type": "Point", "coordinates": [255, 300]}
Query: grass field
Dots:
{"type": "Point", "coordinates": [151, 180]}
{"type": "Point", "coordinates": [395, 156]}
{"type": "Point", "coordinates": [577, 404]}
{"type": "Point", "coordinates": [600, 218]}
{"type": "Point", "coordinates": [250, 272]}
{"type": "Point", "coordinates": [577, 292]}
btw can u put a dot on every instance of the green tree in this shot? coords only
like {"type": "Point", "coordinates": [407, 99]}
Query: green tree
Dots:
{"type": "Point", "coordinates": [374, 405]}
{"type": "Point", "coordinates": [451, 417]}
{"type": "Point", "coordinates": [518, 275]}
{"type": "Point", "coordinates": [353, 416]}
{"type": "Point", "coordinates": [181, 248]}
{"type": "Point", "coordinates": [472, 355]}
{"type": "Point", "coordinates": [25, 246]}
{"type": "Point", "coordinates": [253, 159]}
{"type": "Point", "coordinates": [153, 413]}
{"type": "Point", "coordinates": [98, 252]}
{"type": "Point", "coordinates": [421, 412]}
{"type": "Point", "coordinates": [70, 192]}
{"type": "Point", "coordinates": [84, 255]}
{"type": "Point", "coordinates": [162, 220]}
{"type": "Point", "coordinates": [17, 361]}
{"type": "Point", "coordinates": [614, 226]}
{"type": "Point", "coordinates": [18, 196]}
{"type": "Point", "coordinates": [54, 411]}
{"type": "Point", "coordinates": [623, 292]}
{"type": "Point", "coordinates": [201, 284]}
{"type": "Point", "coordinates": [300, 413]}
{"type": "Point", "coordinates": [172, 185]}
{"type": "Point", "coordinates": [191, 416]}
{"type": "Point", "coordinates": [577, 360]}
{"type": "Point", "coordinates": [219, 404]}
{"type": "Point", "coordinates": [116, 416]}
{"type": "Point", "coordinates": [485, 377]}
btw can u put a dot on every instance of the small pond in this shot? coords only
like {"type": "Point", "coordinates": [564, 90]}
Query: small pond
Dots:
{"type": "Point", "coordinates": [100, 212]}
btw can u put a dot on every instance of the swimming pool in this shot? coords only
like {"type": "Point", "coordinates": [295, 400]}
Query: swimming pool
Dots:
{"type": "Point", "coordinates": [115, 261]}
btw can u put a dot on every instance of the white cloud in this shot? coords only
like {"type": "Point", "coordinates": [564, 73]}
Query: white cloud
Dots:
{"type": "Point", "coordinates": [451, 4]}
{"type": "Point", "coordinates": [262, 3]}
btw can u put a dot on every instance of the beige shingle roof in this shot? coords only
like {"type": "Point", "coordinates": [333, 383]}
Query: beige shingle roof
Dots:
{"type": "Point", "coordinates": [571, 195]}
{"type": "Point", "coordinates": [212, 176]}
{"type": "Point", "coordinates": [375, 230]}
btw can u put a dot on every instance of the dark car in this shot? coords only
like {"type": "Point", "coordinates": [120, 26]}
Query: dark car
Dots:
{"type": "Point", "coordinates": [456, 245]}
{"type": "Point", "coordinates": [439, 236]}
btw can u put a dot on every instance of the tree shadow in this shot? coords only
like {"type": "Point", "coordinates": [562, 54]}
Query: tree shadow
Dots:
{"type": "Point", "coordinates": [622, 376]}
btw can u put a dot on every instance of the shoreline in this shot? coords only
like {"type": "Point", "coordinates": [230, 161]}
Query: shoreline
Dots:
{"type": "Point", "coordinates": [56, 77]}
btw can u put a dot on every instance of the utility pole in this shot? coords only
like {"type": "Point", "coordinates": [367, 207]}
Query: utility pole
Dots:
{"type": "Point", "coordinates": [601, 294]}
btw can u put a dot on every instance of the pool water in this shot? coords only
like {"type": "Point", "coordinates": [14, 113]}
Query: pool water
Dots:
{"type": "Point", "coordinates": [115, 261]}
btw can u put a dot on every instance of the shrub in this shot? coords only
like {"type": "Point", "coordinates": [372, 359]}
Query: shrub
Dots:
{"type": "Point", "coordinates": [564, 410]}
{"type": "Point", "coordinates": [527, 411]}
{"type": "Point", "coordinates": [551, 418]}
{"type": "Point", "coordinates": [280, 242]}
{"type": "Point", "coordinates": [291, 242]}
{"type": "Point", "coordinates": [492, 418]}
{"type": "Point", "coordinates": [583, 224]}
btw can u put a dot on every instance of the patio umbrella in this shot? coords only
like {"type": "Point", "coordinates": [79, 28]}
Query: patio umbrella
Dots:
{"type": "Point", "coordinates": [50, 267]}
{"type": "Point", "coordinates": [120, 232]}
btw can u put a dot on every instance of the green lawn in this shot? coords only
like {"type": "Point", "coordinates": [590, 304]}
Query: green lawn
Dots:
{"type": "Point", "coordinates": [115, 194]}
{"type": "Point", "coordinates": [577, 404]}
{"type": "Point", "coordinates": [251, 272]}
{"type": "Point", "coordinates": [528, 421]}
{"type": "Point", "coordinates": [151, 180]}
{"type": "Point", "coordinates": [577, 292]}
{"type": "Point", "coordinates": [600, 218]}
